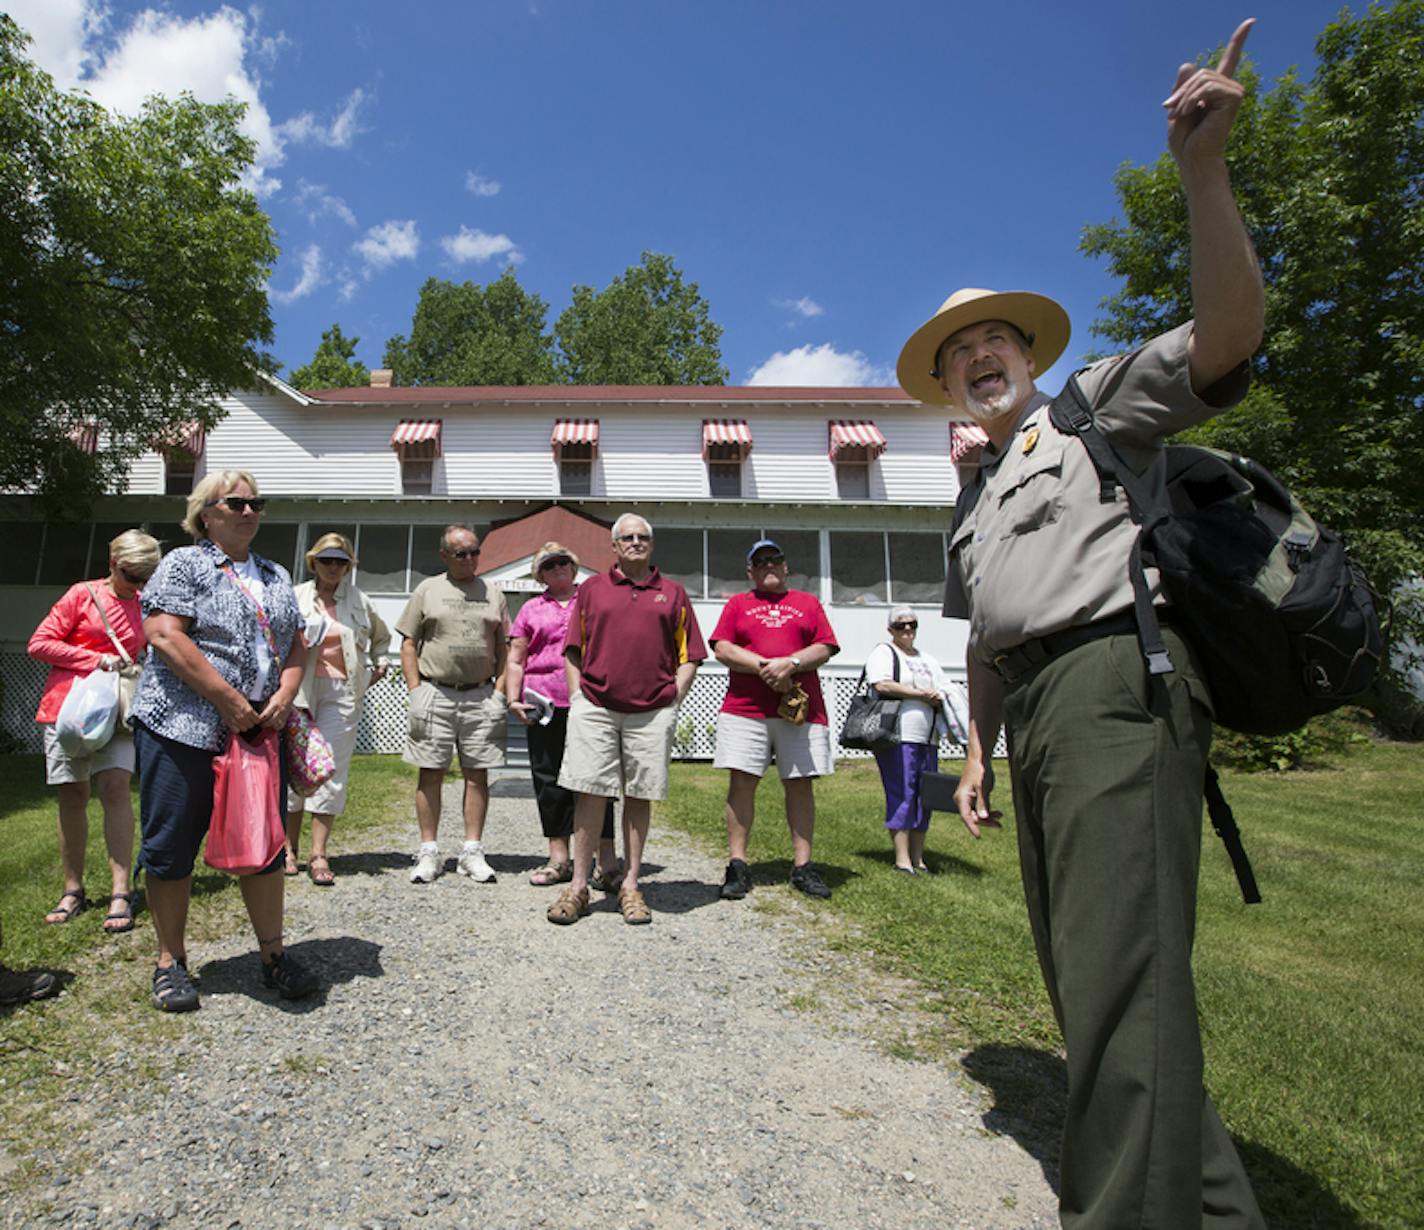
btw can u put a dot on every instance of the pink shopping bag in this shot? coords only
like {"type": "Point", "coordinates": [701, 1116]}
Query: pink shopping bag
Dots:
{"type": "Point", "coordinates": [246, 832]}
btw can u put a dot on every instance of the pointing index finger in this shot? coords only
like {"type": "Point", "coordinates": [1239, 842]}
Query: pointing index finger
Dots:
{"type": "Point", "coordinates": [1232, 55]}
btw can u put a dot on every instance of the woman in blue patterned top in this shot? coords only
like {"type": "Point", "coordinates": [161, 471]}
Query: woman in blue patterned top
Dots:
{"type": "Point", "coordinates": [212, 670]}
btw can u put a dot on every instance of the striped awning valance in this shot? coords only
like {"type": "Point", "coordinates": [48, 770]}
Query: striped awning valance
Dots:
{"type": "Point", "coordinates": [855, 434]}
{"type": "Point", "coordinates": [417, 439]}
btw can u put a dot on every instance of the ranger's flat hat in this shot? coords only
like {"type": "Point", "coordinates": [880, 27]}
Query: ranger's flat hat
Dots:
{"type": "Point", "coordinates": [1043, 322]}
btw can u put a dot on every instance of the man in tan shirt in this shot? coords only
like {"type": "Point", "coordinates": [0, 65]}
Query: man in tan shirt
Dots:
{"type": "Point", "coordinates": [456, 629]}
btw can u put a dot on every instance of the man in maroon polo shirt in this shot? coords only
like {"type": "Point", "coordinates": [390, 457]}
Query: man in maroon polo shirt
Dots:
{"type": "Point", "coordinates": [772, 639]}
{"type": "Point", "coordinates": [632, 648]}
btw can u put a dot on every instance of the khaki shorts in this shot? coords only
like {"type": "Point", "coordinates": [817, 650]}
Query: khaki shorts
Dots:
{"type": "Point", "coordinates": [749, 744]}
{"type": "Point", "coordinates": [61, 768]}
{"type": "Point", "coordinates": [444, 722]}
{"type": "Point", "coordinates": [610, 753]}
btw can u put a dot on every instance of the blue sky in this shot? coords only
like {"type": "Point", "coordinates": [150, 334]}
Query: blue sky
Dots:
{"type": "Point", "coordinates": [827, 172]}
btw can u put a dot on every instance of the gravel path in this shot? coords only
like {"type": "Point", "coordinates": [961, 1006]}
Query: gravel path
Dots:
{"type": "Point", "coordinates": [471, 1065]}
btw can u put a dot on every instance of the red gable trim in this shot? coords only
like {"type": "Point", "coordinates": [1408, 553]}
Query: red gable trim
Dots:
{"type": "Point", "coordinates": [856, 433]}
{"type": "Point", "coordinates": [574, 431]}
{"type": "Point", "coordinates": [726, 431]}
{"type": "Point", "coordinates": [417, 439]}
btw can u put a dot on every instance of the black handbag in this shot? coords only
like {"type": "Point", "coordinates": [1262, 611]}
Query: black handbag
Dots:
{"type": "Point", "coordinates": [872, 721]}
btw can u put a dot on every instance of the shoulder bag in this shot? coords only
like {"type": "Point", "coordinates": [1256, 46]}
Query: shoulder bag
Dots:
{"type": "Point", "coordinates": [128, 673]}
{"type": "Point", "coordinates": [872, 721]}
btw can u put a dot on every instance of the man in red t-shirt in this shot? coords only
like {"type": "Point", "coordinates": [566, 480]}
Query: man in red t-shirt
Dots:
{"type": "Point", "coordinates": [631, 651]}
{"type": "Point", "coordinates": [771, 639]}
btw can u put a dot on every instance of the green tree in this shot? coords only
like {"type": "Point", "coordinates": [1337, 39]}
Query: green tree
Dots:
{"type": "Point", "coordinates": [468, 334]}
{"type": "Point", "coordinates": [1330, 178]}
{"type": "Point", "coordinates": [133, 274]}
{"type": "Point", "coordinates": [647, 327]}
{"type": "Point", "coordinates": [334, 366]}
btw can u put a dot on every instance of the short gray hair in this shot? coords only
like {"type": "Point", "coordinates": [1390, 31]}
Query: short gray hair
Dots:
{"type": "Point", "coordinates": [629, 516]}
{"type": "Point", "coordinates": [899, 613]}
{"type": "Point", "coordinates": [455, 529]}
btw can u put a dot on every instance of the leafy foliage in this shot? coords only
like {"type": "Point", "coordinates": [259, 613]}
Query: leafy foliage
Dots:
{"type": "Point", "coordinates": [647, 327]}
{"type": "Point", "coordinates": [1329, 176]}
{"type": "Point", "coordinates": [334, 366]}
{"type": "Point", "coordinates": [468, 334]}
{"type": "Point", "coordinates": [133, 276]}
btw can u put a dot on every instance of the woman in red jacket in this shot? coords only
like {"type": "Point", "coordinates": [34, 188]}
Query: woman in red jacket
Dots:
{"type": "Point", "coordinates": [73, 641]}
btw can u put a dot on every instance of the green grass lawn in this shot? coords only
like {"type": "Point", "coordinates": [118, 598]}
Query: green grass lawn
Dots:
{"type": "Point", "coordinates": [1312, 1002]}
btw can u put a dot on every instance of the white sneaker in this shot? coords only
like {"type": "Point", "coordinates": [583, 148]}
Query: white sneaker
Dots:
{"type": "Point", "coordinates": [472, 863]}
{"type": "Point", "coordinates": [427, 865]}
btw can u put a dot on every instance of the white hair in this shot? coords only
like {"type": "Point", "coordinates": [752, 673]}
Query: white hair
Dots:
{"type": "Point", "coordinates": [626, 517]}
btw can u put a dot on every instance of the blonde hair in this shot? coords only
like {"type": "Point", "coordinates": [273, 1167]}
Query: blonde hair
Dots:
{"type": "Point", "coordinates": [210, 488]}
{"type": "Point", "coordinates": [136, 552]}
{"type": "Point", "coordinates": [548, 549]}
{"type": "Point", "coordinates": [332, 539]}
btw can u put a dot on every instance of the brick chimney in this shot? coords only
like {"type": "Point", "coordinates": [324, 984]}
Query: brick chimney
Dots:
{"type": "Point", "coordinates": [381, 377]}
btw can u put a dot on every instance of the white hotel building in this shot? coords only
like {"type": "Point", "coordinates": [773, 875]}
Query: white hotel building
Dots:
{"type": "Point", "coordinates": [857, 485]}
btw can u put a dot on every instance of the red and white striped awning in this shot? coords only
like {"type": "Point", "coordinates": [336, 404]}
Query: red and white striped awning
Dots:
{"type": "Point", "coordinates": [728, 432]}
{"type": "Point", "coordinates": [417, 439]}
{"type": "Point", "coordinates": [186, 439]}
{"type": "Point", "coordinates": [856, 434]}
{"type": "Point", "coordinates": [964, 438]}
{"type": "Point", "coordinates": [85, 437]}
{"type": "Point", "coordinates": [574, 431]}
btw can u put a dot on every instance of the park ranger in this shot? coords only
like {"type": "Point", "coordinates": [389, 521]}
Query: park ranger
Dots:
{"type": "Point", "coordinates": [1106, 758]}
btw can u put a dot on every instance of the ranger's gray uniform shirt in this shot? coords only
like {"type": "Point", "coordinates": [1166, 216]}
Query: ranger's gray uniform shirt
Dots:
{"type": "Point", "coordinates": [1039, 552]}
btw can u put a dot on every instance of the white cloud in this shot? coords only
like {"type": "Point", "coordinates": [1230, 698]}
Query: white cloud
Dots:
{"type": "Point", "coordinates": [805, 306]}
{"type": "Point", "coordinates": [317, 202]}
{"type": "Point", "coordinates": [339, 134]}
{"type": "Point", "coordinates": [311, 278]}
{"type": "Point", "coordinates": [820, 367]}
{"type": "Point", "coordinates": [479, 185]}
{"type": "Point", "coordinates": [61, 30]}
{"type": "Point", "coordinates": [480, 246]}
{"type": "Point", "coordinates": [387, 243]}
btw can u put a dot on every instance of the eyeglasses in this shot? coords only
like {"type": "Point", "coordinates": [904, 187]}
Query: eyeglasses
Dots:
{"type": "Point", "coordinates": [557, 561]}
{"type": "Point", "coordinates": [905, 626]}
{"type": "Point", "coordinates": [630, 538]}
{"type": "Point", "coordinates": [134, 578]}
{"type": "Point", "coordinates": [768, 561]}
{"type": "Point", "coordinates": [468, 553]}
{"type": "Point", "coordinates": [239, 503]}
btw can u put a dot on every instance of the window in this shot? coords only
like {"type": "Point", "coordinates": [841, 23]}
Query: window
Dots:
{"type": "Point", "coordinates": [576, 469]}
{"type": "Point", "coordinates": [803, 557]}
{"type": "Point", "coordinates": [724, 471]}
{"type": "Point", "coordinates": [678, 556]}
{"type": "Point", "coordinates": [727, 561]}
{"type": "Point", "coordinates": [179, 470]}
{"type": "Point", "coordinates": [858, 568]}
{"type": "Point", "coordinates": [916, 567]}
{"type": "Point", "coordinates": [384, 551]}
{"type": "Point", "coordinates": [66, 552]}
{"type": "Point", "coordinates": [853, 479]}
{"type": "Point", "coordinates": [417, 475]}
{"type": "Point", "coordinates": [21, 557]}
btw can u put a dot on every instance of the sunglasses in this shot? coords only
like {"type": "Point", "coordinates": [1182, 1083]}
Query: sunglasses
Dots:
{"type": "Point", "coordinates": [557, 561]}
{"type": "Point", "coordinates": [630, 538]}
{"type": "Point", "coordinates": [768, 561]}
{"type": "Point", "coordinates": [134, 578]}
{"type": "Point", "coordinates": [905, 626]}
{"type": "Point", "coordinates": [468, 553]}
{"type": "Point", "coordinates": [239, 503]}
{"type": "Point", "coordinates": [334, 563]}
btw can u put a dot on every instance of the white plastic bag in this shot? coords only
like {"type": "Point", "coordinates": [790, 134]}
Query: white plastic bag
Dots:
{"type": "Point", "coordinates": [87, 717]}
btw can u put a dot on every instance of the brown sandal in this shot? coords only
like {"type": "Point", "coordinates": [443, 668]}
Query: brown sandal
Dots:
{"type": "Point", "coordinates": [320, 871]}
{"type": "Point", "coordinates": [551, 873]}
{"type": "Point", "coordinates": [634, 908]}
{"type": "Point", "coordinates": [64, 913]}
{"type": "Point", "coordinates": [569, 907]}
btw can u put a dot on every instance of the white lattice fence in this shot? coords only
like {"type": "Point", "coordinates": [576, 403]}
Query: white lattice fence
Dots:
{"type": "Point", "coordinates": [383, 717]}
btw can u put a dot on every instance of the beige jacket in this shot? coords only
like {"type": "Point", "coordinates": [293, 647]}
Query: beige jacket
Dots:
{"type": "Point", "coordinates": [364, 637]}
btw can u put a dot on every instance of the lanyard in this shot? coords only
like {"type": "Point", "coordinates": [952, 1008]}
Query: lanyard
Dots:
{"type": "Point", "coordinates": [262, 621]}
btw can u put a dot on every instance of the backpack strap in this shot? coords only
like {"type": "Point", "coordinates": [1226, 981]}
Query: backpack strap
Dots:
{"type": "Point", "coordinates": [1224, 822]}
{"type": "Point", "coordinates": [1146, 502]}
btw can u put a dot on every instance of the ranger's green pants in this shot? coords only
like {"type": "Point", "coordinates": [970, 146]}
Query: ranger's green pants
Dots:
{"type": "Point", "coordinates": [1107, 767]}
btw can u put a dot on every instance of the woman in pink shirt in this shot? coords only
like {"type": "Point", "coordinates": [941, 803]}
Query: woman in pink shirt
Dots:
{"type": "Point", "coordinates": [536, 665]}
{"type": "Point", "coordinates": [73, 641]}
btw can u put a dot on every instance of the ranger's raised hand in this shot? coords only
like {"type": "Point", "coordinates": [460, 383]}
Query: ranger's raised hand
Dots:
{"type": "Point", "coordinates": [1204, 103]}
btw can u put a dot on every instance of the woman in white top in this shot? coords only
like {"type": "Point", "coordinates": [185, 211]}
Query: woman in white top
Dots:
{"type": "Point", "coordinates": [347, 644]}
{"type": "Point", "coordinates": [920, 724]}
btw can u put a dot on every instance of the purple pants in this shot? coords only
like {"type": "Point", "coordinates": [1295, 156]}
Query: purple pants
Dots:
{"type": "Point", "coordinates": [901, 767]}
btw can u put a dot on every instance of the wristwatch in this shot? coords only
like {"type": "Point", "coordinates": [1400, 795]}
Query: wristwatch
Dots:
{"type": "Point", "coordinates": [796, 662]}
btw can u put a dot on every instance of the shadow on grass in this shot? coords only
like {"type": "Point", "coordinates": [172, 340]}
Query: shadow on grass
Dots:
{"type": "Point", "coordinates": [939, 864]}
{"type": "Point", "coordinates": [1029, 1089]}
{"type": "Point", "coordinates": [339, 959]}
{"type": "Point", "coordinates": [22, 784]}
